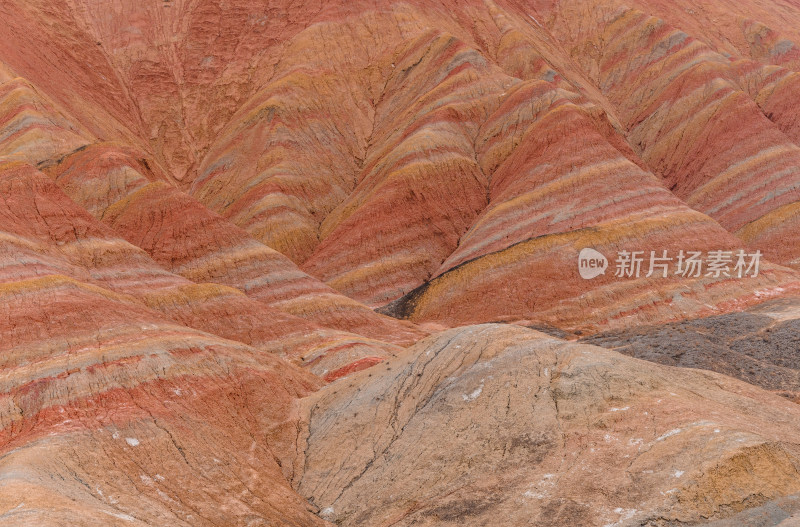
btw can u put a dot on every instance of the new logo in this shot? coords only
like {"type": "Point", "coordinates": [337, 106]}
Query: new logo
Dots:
{"type": "Point", "coordinates": [591, 264]}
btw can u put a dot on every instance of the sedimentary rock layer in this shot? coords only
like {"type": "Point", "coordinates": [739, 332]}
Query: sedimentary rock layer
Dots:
{"type": "Point", "coordinates": [188, 239]}
{"type": "Point", "coordinates": [203, 204]}
{"type": "Point", "coordinates": [114, 415]}
{"type": "Point", "coordinates": [499, 425]}
{"type": "Point", "coordinates": [472, 125]}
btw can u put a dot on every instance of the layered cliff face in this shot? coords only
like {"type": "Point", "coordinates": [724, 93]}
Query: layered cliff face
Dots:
{"type": "Point", "coordinates": [235, 236]}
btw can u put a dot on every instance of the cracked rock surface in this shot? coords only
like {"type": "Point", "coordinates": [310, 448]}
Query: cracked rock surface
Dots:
{"type": "Point", "coordinates": [501, 425]}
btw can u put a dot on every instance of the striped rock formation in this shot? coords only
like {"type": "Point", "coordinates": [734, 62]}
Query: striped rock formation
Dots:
{"type": "Point", "coordinates": [690, 118]}
{"type": "Point", "coordinates": [319, 131]}
{"type": "Point", "coordinates": [209, 211]}
{"type": "Point", "coordinates": [89, 367]}
{"type": "Point", "coordinates": [46, 234]}
{"type": "Point", "coordinates": [188, 239]}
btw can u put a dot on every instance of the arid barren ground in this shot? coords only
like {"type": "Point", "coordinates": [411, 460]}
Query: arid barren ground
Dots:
{"type": "Point", "coordinates": [395, 263]}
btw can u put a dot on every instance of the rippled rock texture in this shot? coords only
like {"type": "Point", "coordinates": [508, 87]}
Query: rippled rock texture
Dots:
{"type": "Point", "coordinates": [249, 251]}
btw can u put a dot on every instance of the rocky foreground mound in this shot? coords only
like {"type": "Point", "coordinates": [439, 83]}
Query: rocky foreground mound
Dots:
{"type": "Point", "coordinates": [500, 425]}
{"type": "Point", "coordinates": [481, 425]}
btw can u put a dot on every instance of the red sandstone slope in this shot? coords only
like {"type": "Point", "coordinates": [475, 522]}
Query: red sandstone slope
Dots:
{"type": "Point", "coordinates": [88, 367]}
{"type": "Point", "coordinates": [203, 203]}
{"type": "Point", "coordinates": [62, 239]}
{"type": "Point", "coordinates": [311, 129]}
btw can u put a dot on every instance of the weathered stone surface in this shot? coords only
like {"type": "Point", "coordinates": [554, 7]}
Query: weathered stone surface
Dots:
{"type": "Point", "coordinates": [103, 398]}
{"type": "Point", "coordinates": [751, 346]}
{"type": "Point", "coordinates": [203, 204]}
{"type": "Point", "coordinates": [113, 414]}
{"type": "Point", "coordinates": [192, 241]}
{"type": "Point", "coordinates": [500, 425]}
{"type": "Point", "coordinates": [691, 115]}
